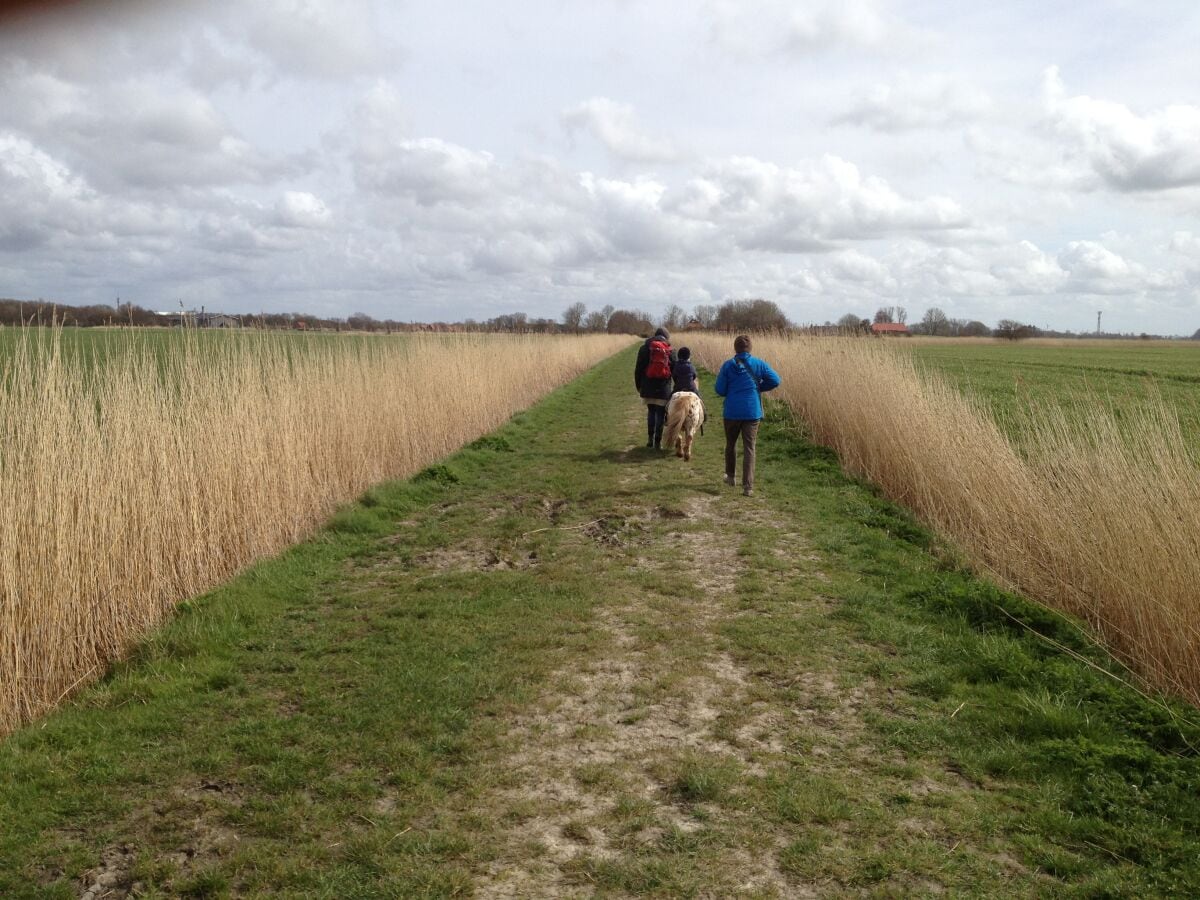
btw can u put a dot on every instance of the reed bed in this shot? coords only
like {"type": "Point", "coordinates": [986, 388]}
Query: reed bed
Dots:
{"type": "Point", "coordinates": [131, 482]}
{"type": "Point", "coordinates": [1088, 511]}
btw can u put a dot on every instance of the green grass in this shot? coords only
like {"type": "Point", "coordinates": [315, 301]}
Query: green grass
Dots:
{"type": "Point", "coordinates": [1124, 375]}
{"type": "Point", "coordinates": [342, 721]}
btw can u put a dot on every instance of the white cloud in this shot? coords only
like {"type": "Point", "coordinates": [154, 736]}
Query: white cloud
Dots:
{"type": "Point", "coordinates": [1186, 243]}
{"type": "Point", "coordinates": [300, 209]}
{"type": "Point", "coordinates": [930, 101]}
{"type": "Point", "coordinates": [1094, 269]}
{"type": "Point", "coordinates": [1027, 269]}
{"type": "Point", "coordinates": [318, 38]}
{"type": "Point", "coordinates": [615, 126]}
{"type": "Point", "coordinates": [815, 27]}
{"type": "Point", "coordinates": [1124, 150]}
{"type": "Point", "coordinates": [430, 170]}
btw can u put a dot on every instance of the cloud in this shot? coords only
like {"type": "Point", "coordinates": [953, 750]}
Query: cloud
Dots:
{"type": "Point", "coordinates": [931, 101]}
{"type": "Point", "coordinates": [300, 209]}
{"type": "Point", "coordinates": [1094, 269]}
{"type": "Point", "coordinates": [1186, 243]}
{"type": "Point", "coordinates": [431, 171]}
{"type": "Point", "coordinates": [1124, 150]}
{"type": "Point", "coordinates": [552, 216]}
{"type": "Point", "coordinates": [137, 134]}
{"type": "Point", "coordinates": [808, 205]}
{"type": "Point", "coordinates": [319, 39]}
{"type": "Point", "coordinates": [749, 29]}
{"type": "Point", "coordinates": [614, 125]}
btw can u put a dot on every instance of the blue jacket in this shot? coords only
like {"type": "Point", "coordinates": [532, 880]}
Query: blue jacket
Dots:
{"type": "Point", "coordinates": [740, 382]}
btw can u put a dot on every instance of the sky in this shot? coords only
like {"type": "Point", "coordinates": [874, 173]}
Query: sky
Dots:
{"type": "Point", "coordinates": [1038, 161]}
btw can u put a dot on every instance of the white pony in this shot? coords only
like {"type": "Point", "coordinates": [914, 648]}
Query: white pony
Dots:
{"type": "Point", "coordinates": [685, 416]}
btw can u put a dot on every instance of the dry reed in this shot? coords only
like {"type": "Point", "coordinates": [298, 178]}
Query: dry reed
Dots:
{"type": "Point", "coordinates": [1097, 519]}
{"type": "Point", "coordinates": [130, 483]}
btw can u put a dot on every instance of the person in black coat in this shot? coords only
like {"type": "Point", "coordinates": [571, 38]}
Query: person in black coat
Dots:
{"type": "Point", "coordinates": [654, 391]}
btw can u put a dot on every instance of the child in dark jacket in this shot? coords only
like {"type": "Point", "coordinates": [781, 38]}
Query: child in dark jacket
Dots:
{"type": "Point", "coordinates": [684, 373]}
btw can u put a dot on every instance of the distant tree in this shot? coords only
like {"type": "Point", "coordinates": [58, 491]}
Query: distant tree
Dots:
{"type": "Point", "coordinates": [975, 328]}
{"type": "Point", "coordinates": [885, 314]}
{"type": "Point", "coordinates": [750, 315]}
{"type": "Point", "coordinates": [675, 317]}
{"type": "Point", "coordinates": [901, 314]}
{"type": "Point", "coordinates": [572, 317]}
{"type": "Point", "coordinates": [1196, 335]}
{"type": "Point", "coordinates": [1012, 330]}
{"type": "Point", "coordinates": [517, 321]}
{"type": "Point", "coordinates": [595, 321]}
{"type": "Point", "coordinates": [935, 322]}
{"type": "Point", "coordinates": [624, 321]}
{"type": "Point", "coordinates": [361, 322]}
{"type": "Point", "coordinates": [706, 315]}
{"type": "Point", "coordinates": [850, 322]}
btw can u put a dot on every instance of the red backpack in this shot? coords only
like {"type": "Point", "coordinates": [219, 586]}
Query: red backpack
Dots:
{"type": "Point", "coordinates": [660, 360]}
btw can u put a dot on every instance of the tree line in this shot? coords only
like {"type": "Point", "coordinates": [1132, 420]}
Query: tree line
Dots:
{"type": "Point", "coordinates": [935, 322]}
{"type": "Point", "coordinates": [755, 314]}
{"type": "Point", "coordinates": [733, 315]}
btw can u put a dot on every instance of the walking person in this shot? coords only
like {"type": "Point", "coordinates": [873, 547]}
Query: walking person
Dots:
{"type": "Point", "coordinates": [652, 376]}
{"type": "Point", "coordinates": [741, 381]}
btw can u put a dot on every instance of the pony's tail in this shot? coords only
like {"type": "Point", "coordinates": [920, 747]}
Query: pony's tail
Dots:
{"type": "Point", "coordinates": [675, 418]}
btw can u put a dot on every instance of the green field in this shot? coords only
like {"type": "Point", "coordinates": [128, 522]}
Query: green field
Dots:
{"type": "Point", "coordinates": [1013, 377]}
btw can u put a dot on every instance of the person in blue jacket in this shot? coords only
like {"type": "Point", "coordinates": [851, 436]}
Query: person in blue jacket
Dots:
{"type": "Point", "coordinates": [741, 381]}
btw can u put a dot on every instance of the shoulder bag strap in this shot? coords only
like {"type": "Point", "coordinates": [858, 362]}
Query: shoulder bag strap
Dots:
{"type": "Point", "coordinates": [745, 368]}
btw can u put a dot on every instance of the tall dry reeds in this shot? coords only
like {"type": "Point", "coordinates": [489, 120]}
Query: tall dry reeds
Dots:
{"type": "Point", "coordinates": [1089, 514]}
{"type": "Point", "coordinates": [131, 482]}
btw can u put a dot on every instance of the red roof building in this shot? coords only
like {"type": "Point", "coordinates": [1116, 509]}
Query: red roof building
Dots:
{"type": "Point", "coordinates": [889, 328]}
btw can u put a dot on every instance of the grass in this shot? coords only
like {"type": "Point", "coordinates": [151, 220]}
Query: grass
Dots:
{"type": "Point", "coordinates": [1084, 507]}
{"type": "Point", "coordinates": [566, 663]}
{"type": "Point", "coordinates": [132, 480]}
{"type": "Point", "coordinates": [1124, 375]}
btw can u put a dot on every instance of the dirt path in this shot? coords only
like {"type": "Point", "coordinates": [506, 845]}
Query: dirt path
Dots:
{"type": "Point", "coordinates": [646, 745]}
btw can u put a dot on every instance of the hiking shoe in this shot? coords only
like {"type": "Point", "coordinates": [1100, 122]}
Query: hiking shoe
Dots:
{"type": "Point", "coordinates": [729, 480]}
{"type": "Point", "coordinates": [650, 444]}
{"type": "Point", "coordinates": [747, 492]}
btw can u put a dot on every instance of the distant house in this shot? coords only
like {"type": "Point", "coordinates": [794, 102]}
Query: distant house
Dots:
{"type": "Point", "coordinates": [693, 325]}
{"type": "Point", "coordinates": [886, 328]}
{"type": "Point", "coordinates": [192, 319]}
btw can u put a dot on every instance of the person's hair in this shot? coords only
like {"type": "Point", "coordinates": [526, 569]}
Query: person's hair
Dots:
{"type": "Point", "coordinates": [685, 353]}
{"type": "Point", "coordinates": [662, 333]}
{"type": "Point", "coordinates": [741, 344]}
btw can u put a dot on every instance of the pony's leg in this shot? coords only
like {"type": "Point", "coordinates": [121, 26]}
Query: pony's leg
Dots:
{"type": "Point", "coordinates": [687, 445]}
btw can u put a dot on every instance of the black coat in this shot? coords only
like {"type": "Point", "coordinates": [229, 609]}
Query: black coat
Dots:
{"type": "Point", "coordinates": [651, 388]}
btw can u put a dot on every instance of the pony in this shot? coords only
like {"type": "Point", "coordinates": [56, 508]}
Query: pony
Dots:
{"type": "Point", "coordinates": [685, 416]}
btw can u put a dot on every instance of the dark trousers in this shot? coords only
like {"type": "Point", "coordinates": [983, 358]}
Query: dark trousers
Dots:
{"type": "Point", "coordinates": [747, 429]}
{"type": "Point", "coordinates": [656, 418]}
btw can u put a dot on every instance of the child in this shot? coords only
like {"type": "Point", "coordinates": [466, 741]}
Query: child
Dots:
{"type": "Point", "coordinates": [684, 373]}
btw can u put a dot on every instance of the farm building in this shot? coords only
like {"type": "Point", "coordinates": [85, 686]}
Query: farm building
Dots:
{"type": "Point", "coordinates": [886, 328]}
{"type": "Point", "coordinates": [192, 319]}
